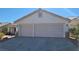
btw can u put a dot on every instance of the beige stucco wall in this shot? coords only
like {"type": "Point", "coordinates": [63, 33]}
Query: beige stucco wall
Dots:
{"type": "Point", "coordinates": [73, 23]}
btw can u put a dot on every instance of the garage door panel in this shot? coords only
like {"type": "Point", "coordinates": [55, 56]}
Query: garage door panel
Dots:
{"type": "Point", "coordinates": [26, 30]}
{"type": "Point", "coordinates": [49, 30]}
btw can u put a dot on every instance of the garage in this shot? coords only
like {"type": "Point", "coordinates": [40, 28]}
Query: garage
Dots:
{"type": "Point", "coordinates": [42, 30]}
{"type": "Point", "coordinates": [41, 23]}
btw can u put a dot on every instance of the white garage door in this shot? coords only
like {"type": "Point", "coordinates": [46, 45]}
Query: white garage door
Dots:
{"type": "Point", "coordinates": [49, 30]}
{"type": "Point", "coordinates": [26, 30]}
{"type": "Point", "coordinates": [42, 30]}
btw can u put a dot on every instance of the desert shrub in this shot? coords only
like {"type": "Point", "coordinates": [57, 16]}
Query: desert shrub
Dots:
{"type": "Point", "coordinates": [72, 30]}
{"type": "Point", "coordinates": [1, 35]}
{"type": "Point", "coordinates": [75, 31]}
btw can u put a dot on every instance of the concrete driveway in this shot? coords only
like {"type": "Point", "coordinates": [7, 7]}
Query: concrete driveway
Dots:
{"type": "Point", "coordinates": [37, 44]}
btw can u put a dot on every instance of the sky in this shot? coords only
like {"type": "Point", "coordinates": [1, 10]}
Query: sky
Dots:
{"type": "Point", "coordinates": [12, 14]}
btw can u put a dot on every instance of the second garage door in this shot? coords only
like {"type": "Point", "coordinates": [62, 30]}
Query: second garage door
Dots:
{"type": "Point", "coordinates": [49, 30]}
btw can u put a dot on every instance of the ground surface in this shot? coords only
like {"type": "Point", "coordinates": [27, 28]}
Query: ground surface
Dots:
{"type": "Point", "coordinates": [37, 44]}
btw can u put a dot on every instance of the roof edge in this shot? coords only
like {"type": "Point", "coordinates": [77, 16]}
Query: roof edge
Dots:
{"type": "Point", "coordinates": [38, 10]}
{"type": "Point", "coordinates": [27, 15]}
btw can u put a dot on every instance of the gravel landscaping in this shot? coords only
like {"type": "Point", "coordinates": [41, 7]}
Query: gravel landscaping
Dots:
{"type": "Point", "coordinates": [37, 44]}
